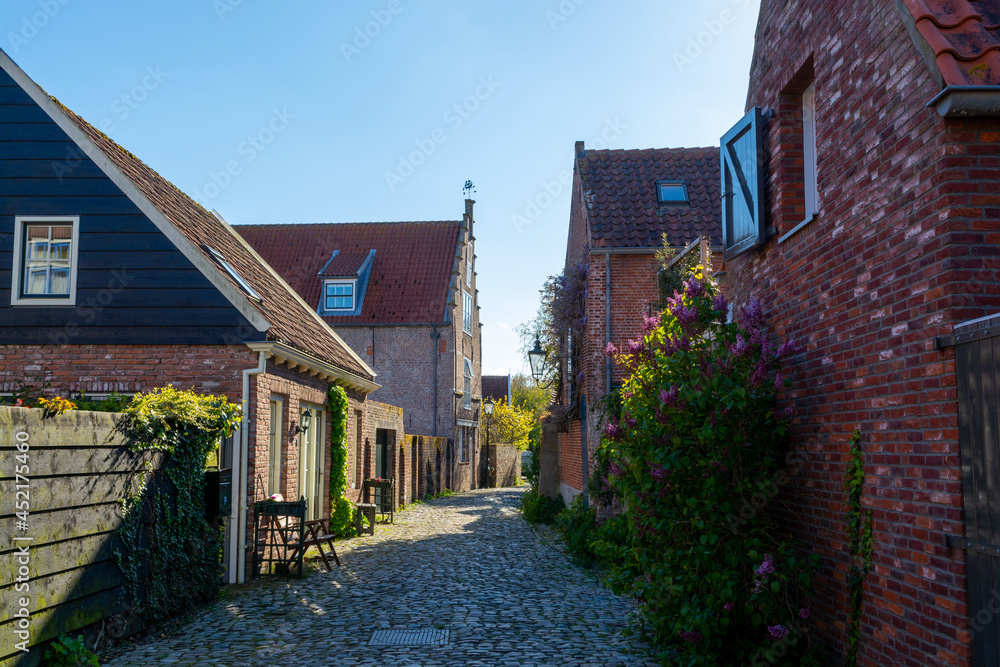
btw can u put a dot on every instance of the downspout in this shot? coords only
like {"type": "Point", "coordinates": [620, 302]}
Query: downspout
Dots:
{"type": "Point", "coordinates": [238, 559]}
{"type": "Point", "coordinates": [435, 335]}
{"type": "Point", "coordinates": [607, 320]}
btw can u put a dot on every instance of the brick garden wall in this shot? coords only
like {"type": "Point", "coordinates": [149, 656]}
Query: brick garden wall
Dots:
{"type": "Point", "coordinates": [506, 460]}
{"type": "Point", "coordinates": [904, 248]}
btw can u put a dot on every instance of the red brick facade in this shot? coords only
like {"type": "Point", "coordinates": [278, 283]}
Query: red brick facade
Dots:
{"type": "Point", "coordinates": [904, 248]}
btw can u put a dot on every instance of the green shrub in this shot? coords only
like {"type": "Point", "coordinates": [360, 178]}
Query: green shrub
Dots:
{"type": "Point", "coordinates": [69, 652]}
{"type": "Point", "coordinates": [579, 528]}
{"type": "Point", "coordinates": [540, 509]}
{"type": "Point", "coordinates": [342, 510]}
{"type": "Point", "coordinates": [694, 458]}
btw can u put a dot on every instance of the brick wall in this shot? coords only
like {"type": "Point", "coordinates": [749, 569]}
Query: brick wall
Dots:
{"type": "Point", "coordinates": [506, 462]}
{"type": "Point", "coordinates": [903, 248]}
{"type": "Point", "coordinates": [95, 369]}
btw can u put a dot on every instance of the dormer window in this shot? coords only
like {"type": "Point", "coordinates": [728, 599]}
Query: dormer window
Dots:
{"type": "Point", "coordinates": [671, 192]}
{"type": "Point", "coordinates": [338, 295]}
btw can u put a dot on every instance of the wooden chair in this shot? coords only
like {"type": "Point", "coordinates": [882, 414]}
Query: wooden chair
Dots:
{"type": "Point", "coordinates": [368, 510]}
{"type": "Point", "coordinates": [318, 532]}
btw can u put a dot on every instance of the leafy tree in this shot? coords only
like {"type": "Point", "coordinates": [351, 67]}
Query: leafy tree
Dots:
{"type": "Point", "coordinates": [510, 425]}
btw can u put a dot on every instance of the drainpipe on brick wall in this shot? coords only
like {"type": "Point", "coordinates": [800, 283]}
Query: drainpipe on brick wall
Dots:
{"type": "Point", "coordinates": [607, 320]}
{"type": "Point", "coordinates": [435, 336]}
{"type": "Point", "coordinates": [237, 558]}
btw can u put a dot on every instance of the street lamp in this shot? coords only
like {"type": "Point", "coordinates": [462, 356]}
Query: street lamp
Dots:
{"type": "Point", "coordinates": [488, 409]}
{"type": "Point", "coordinates": [536, 358]}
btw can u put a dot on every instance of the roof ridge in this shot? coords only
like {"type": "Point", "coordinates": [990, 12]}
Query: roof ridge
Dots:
{"type": "Point", "coordinates": [333, 224]}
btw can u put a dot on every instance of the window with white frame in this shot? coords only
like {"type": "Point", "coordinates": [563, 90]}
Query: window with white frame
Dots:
{"type": "Point", "coordinates": [274, 449]}
{"type": "Point", "coordinates": [467, 387]}
{"type": "Point", "coordinates": [468, 266]}
{"type": "Point", "coordinates": [468, 306]}
{"type": "Point", "coordinates": [461, 445]}
{"type": "Point", "coordinates": [338, 295]}
{"type": "Point", "coordinates": [809, 151]}
{"type": "Point", "coordinates": [45, 261]}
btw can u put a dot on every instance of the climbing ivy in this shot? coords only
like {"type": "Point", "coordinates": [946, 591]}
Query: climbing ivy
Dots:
{"type": "Point", "coordinates": [164, 530]}
{"type": "Point", "coordinates": [341, 509]}
{"type": "Point", "coordinates": [859, 530]}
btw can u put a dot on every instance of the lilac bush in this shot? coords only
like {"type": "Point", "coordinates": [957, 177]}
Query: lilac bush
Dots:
{"type": "Point", "coordinates": [698, 437]}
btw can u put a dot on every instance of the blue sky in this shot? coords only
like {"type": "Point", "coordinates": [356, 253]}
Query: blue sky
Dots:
{"type": "Point", "coordinates": [320, 111]}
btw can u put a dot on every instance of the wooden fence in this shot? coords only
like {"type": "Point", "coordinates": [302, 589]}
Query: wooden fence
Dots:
{"type": "Point", "coordinates": [59, 559]}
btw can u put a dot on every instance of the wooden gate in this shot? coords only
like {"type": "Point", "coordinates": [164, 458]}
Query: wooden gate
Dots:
{"type": "Point", "coordinates": [977, 356]}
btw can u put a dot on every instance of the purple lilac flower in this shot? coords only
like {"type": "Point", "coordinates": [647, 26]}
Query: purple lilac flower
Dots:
{"type": "Point", "coordinates": [611, 430]}
{"type": "Point", "coordinates": [683, 344]}
{"type": "Point", "coordinates": [804, 614]}
{"type": "Point", "coordinates": [686, 315]}
{"type": "Point", "coordinates": [650, 322]}
{"type": "Point", "coordinates": [752, 315]}
{"type": "Point", "coordinates": [759, 374]}
{"type": "Point", "coordinates": [779, 382]}
{"type": "Point", "coordinates": [786, 413]}
{"type": "Point", "coordinates": [611, 350]}
{"type": "Point", "coordinates": [788, 347]}
{"type": "Point", "coordinates": [694, 287]}
{"type": "Point", "coordinates": [636, 347]}
{"type": "Point", "coordinates": [729, 606]}
{"type": "Point", "coordinates": [659, 473]}
{"type": "Point", "coordinates": [692, 636]}
{"type": "Point", "coordinates": [739, 348]}
{"type": "Point", "coordinates": [765, 568]}
{"type": "Point", "coordinates": [776, 631]}
{"type": "Point", "coordinates": [670, 398]}
{"type": "Point", "coordinates": [720, 304]}
{"type": "Point", "coordinates": [614, 469]}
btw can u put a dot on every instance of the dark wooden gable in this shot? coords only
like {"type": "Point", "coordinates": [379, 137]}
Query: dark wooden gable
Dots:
{"type": "Point", "coordinates": [133, 285]}
{"type": "Point", "coordinates": [743, 185]}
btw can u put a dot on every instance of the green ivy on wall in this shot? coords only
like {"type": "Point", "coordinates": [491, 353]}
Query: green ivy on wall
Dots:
{"type": "Point", "coordinates": [859, 530]}
{"type": "Point", "coordinates": [341, 509]}
{"type": "Point", "coordinates": [166, 542]}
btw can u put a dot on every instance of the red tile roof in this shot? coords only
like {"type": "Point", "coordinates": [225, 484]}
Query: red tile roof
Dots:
{"type": "Point", "coordinates": [965, 38]}
{"type": "Point", "coordinates": [410, 276]}
{"type": "Point", "coordinates": [619, 192]}
{"type": "Point", "coordinates": [291, 322]}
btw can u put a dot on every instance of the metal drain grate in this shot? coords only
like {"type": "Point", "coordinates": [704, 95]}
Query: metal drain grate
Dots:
{"type": "Point", "coordinates": [425, 637]}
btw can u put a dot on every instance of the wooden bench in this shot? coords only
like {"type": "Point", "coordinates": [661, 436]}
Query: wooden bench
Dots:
{"type": "Point", "coordinates": [317, 532]}
{"type": "Point", "coordinates": [368, 510]}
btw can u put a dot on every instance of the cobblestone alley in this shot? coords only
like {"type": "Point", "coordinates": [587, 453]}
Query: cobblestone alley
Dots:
{"type": "Point", "coordinates": [466, 564]}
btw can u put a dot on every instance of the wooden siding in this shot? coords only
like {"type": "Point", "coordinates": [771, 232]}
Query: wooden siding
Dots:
{"type": "Point", "coordinates": [78, 473]}
{"type": "Point", "coordinates": [133, 285]}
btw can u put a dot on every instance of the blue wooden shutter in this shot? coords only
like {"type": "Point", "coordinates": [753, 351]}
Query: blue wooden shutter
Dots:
{"type": "Point", "coordinates": [743, 185]}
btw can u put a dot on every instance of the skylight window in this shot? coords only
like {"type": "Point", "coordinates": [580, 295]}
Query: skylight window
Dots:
{"type": "Point", "coordinates": [227, 267]}
{"type": "Point", "coordinates": [671, 192]}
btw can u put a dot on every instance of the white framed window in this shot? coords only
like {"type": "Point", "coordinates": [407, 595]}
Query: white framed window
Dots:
{"type": "Point", "coordinates": [809, 151]}
{"type": "Point", "coordinates": [274, 448]}
{"type": "Point", "coordinates": [468, 266]}
{"type": "Point", "coordinates": [46, 258]}
{"type": "Point", "coordinates": [338, 295]}
{"type": "Point", "coordinates": [468, 306]}
{"type": "Point", "coordinates": [467, 386]}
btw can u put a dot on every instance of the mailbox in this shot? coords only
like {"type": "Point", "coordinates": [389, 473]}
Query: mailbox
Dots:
{"type": "Point", "coordinates": [218, 494]}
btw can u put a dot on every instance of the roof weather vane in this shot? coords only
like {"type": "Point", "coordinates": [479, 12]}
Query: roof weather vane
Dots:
{"type": "Point", "coordinates": [469, 188]}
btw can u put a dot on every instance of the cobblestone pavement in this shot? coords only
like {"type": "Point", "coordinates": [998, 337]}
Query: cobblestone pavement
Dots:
{"type": "Point", "coordinates": [468, 563]}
